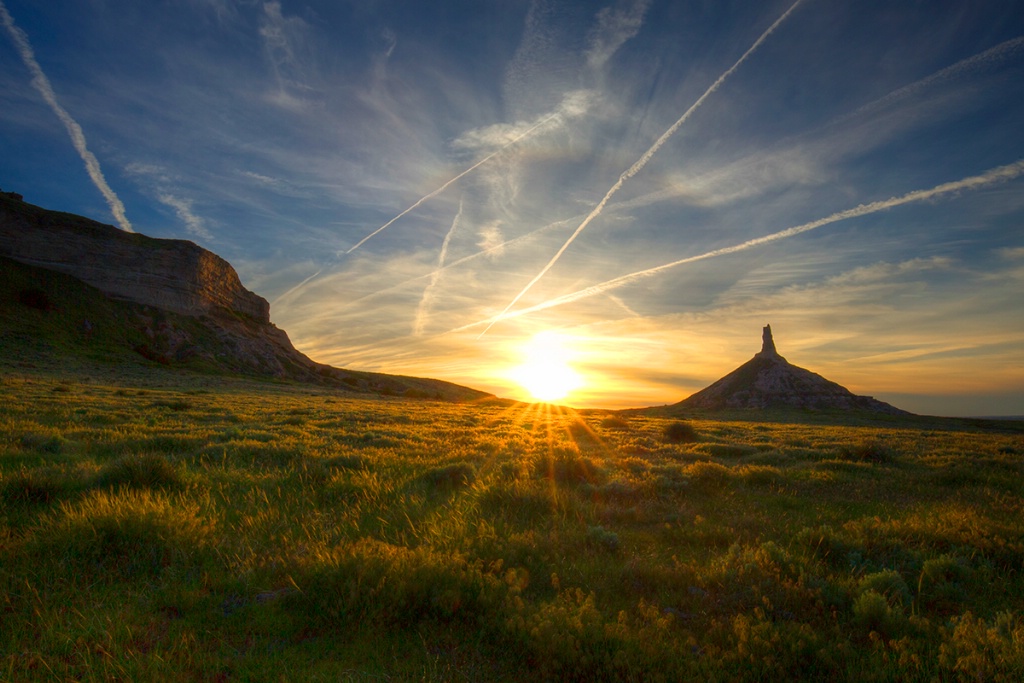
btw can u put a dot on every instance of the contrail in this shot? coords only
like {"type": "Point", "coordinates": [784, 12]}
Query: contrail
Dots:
{"type": "Point", "coordinates": [456, 178]}
{"type": "Point", "coordinates": [428, 292]}
{"type": "Point", "coordinates": [990, 177]}
{"type": "Point", "coordinates": [41, 83]}
{"type": "Point", "coordinates": [296, 287]}
{"type": "Point", "coordinates": [642, 161]}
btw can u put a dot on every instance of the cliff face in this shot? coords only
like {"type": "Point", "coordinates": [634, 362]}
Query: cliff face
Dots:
{"type": "Point", "coordinates": [70, 285]}
{"type": "Point", "coordinates": [175, 275]}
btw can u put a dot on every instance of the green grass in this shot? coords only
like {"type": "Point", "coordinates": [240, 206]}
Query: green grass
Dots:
{"type": "Point", "coordinates": [161, 526]}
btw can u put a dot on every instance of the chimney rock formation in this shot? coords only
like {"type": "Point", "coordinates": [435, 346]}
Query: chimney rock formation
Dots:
{"type": "Point", "coordinates": [769, 381]}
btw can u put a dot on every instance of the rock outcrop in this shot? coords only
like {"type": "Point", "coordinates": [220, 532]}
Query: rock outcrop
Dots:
{"type": "Point", "coordinates": [98, 291]}
{"type": "Point", "coordinates": [769, 381]}
{"type": "Point", "coordinates": [174, 275]}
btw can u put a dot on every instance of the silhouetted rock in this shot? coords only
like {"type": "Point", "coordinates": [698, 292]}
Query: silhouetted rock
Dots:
{"type": "Point", "coordinates": [769, 381]}
{"type": "Point", "coordinates": [176, 303]}
{"type": "Point", "coordinates": [175, 275]}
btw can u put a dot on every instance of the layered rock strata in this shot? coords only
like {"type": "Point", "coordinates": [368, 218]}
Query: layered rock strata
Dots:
{"type": "Point", "coordinates": [175, 275]}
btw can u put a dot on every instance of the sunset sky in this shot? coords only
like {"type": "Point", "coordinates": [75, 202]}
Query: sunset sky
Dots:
{"type": "Point", "coordinates": [420, 188]}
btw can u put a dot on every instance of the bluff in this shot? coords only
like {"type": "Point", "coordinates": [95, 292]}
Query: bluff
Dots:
{"type": "Point", "coordinates": [72, 286]}
{"type": "Point", "coordinates": [768, 381]}
{"type": "Point", "coordinates": [174, 275]}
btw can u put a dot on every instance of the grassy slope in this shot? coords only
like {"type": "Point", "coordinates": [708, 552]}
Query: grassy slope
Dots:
{"type": "Point", "coordinates": [153, 531]}
{"type": "Point", "coordinates": [54, 321]}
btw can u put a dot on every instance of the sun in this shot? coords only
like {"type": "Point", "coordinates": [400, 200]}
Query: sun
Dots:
{"type": "Point", "coordinates": [546, 372]}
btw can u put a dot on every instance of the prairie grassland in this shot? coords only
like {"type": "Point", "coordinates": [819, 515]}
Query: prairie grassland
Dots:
{"type": "Point", "coordinates": [266, 532]}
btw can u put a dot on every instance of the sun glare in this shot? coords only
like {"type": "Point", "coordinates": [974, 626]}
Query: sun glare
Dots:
{"type": "Point", "coordinates": [546, 372]}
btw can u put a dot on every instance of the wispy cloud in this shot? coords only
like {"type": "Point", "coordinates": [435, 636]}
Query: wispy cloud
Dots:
{"type": "Point", "coordinates": [615, 25]}
{"type": "Point", "coordinates": [570, 107]}
{"type": "Point", "coordinates": [283, 39]}
{"type": "Point", "coordinates": [42, 84]}
{"type": "Point", "coordinates": [183, 207]}
{"type": "Point", "coordinates": [646, 157]}
{"type": "Point", "coordinates": [428, 292]}
{"type": "Point", "coordinates": [990, 177]}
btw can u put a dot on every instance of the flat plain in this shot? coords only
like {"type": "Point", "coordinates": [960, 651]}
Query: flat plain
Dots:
{"type": "Point", "coordinates": [162, 526]}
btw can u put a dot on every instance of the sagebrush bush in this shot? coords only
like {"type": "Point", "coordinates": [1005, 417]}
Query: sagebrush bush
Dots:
{"type": "Point", "coordinates": [707, 476]}
{"type": "Point", "coordinates": [872, 451]}
{"type": "Point", "coordinates": [872, 612]}
{"type": "Point", "coordinates": [615, 423]}
{"type": "Point", "coordinates": [455, 475]}
{"type": "Point", "coordinates": [142, 471]}
{"type": "Point", "coordinates": [679, 432]}
{"type": "Point", "coordinates": [36, 486]}
{"type": "Point", "coordinates": [567, 466]}
{"type": "Point", "coordinates": [888, 583]}
{"type": "Point", "coordinates": [43, 443]}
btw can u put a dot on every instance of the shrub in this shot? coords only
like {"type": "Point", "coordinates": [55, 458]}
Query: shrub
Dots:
{"type": "Point", "coordinates": [567, 466]}
{"type": "Point", "coordinates": [599, 537]}
{"type": "Point", "coordinates": [868, 451]}
{"type": "Point", "coordinates": [35, 298]}
{"type": "Point", "coordinates": [888, 583]}
{"type": "Point", "coordinates": [177, 405]}
{"type": "Point", "coordinates": [145, 471]}
{"type": "Point", "coordinates": [707, 476]}
{"type": "Point", "coordinates": [980, 651]}
{"type": "Point", "coordinates": [33, 487]}
{"type": "Point", "coordinates": [872, 612]}
{"type": "Point", "coordinates": [679, 432]}
{"type": "Point", "coordinates": [43, 443]}
{"type": "Point", "coordinates": [455, 475]}
{"type": "Point", "coordinates": [943, 583]}
{"type": "Point", "coordinates": [615, 422]}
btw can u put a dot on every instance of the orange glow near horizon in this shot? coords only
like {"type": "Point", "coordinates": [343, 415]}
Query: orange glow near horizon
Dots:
{"type": "Point", "coordinates": [546, 372]}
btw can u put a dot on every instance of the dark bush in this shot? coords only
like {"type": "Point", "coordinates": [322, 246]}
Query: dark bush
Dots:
{"type": "Point", "coordinates": [567, 466]}
{"type": "Point", "coordinates": [614, 422]}
{"type": "Point", "coordinates": [680, 432]}
{"type": "Point", "coordinates": [456, 475]}
{"type": "Point", "coordinates": [30, 487]}
{"type": "Point", "coordinates": [35, 298]}
{"type": "Point", "coordinates": [868, 451]}
{"type": "Point", "coordinates": [139, 472]}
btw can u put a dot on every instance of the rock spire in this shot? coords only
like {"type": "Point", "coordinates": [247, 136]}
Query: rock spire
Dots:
{"type": "Point", "coordinates": [767, 343]}
{"type": "Point", "coordinates": [768, 381]}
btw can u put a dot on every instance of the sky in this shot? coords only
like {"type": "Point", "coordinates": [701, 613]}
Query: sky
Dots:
{"type": "Point", "coordinates": [627, 189]}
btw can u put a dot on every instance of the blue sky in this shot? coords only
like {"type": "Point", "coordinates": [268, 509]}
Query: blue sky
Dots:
{"type": "Point", "coordinates": [651, 180]}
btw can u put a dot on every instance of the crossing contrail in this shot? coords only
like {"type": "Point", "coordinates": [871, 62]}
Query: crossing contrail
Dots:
{"type": "Point", "coordinates": [42, 84]}
{"type": "Point", "coordinates": [642, 161]}
{"type": "Point", "coordinates": [448, 184]}
{"type": "Point", "coordinates": [428, 291]}
{"type": "Point", "coordinates": [990, 177]}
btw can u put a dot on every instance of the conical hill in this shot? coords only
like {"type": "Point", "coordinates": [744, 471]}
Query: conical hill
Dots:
{"type": "Point", "coordinates": [769, 381]}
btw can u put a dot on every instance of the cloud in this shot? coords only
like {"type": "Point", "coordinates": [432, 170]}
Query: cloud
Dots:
{"type": "Point", "coordinates": [284, 39]}
{"type": "Point", "coordinates": [183, 207]}
{"type": "Point", "coordinates": [42, 84]}
{"type": "Point", "coordinates": [505, 144]}
{"type": "Point", "coordinates": [615, 25]}
{"type": "Point", "coordinates": [644, 158]}
{"type": "Point", "coordinates": [990, 177]}
{"type": "Point", "coordinates": [428, 293]}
